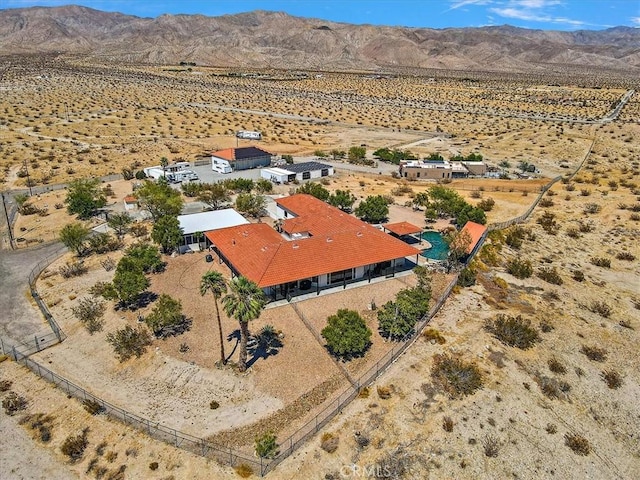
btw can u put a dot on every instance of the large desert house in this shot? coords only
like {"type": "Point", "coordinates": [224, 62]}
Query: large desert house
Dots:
{"type": "Point", "coordinates": [314, 246]}
{"type": "Point", "coordinates": [242, 158]}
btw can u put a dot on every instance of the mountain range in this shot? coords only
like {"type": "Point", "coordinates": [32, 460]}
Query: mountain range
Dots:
{"type": "Point", "coordinates": [262, 39]}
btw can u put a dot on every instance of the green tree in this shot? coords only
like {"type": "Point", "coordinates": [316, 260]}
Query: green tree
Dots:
{"type": "Point", "coordinates": [74, 237]}
{"type": "Point", "coordinates": [504, 164]}
{"type": "Point", "coordinates": [167, 233]}
{"type": "Point", "coordinates": [84, 197]}
{"type": "Point", "coordinates": [146, 256]}
{"type": "Point", "coordinates": [164, 163]}
{"type": "Point", "coordinates": [264, 186]}
{"type": "Point", "coordinates": [215, 283]}
{"type": "Point", "coordinates": [420, 199]}
{"type": "Point", "coordinates": [245, 302]}
{"type": "Point", "coordinates": [253, 205]}
{"type": "Point", "coordinates": [166, 318]}
{"type": "Point", "coordinates": [120, 223]}
{"type": "Point", "coordinates": [315, 189]}
{"type": "Point", "coordinates": [347, 334]}
{"type": "Point", "coordinates": [397, 319]}
{"type": "Point", "coordinates": [338, 154]}
{"type": "Point", "coordinates": [373, 209]}
{"type": "Point", "coordinates": [159, 199]}
{"type": "Point", "coordinates": [215, 195]}
{"type": "Point", "coordinates": [357, 154]}
{"type": "Point", "coordinates": [320, 154]}
{"type": "Point", "coordinates": [287, 158]}
{"type": "Point", "coordinates": [524, 166]}
{"type": "Point", "coordinates": [129, 341]}
{"type": "Point", "coordinates": [342, 199]}
{"type": "Point", "coordinates": [459, 243]}
{"type": "Point", "coordinates": [128, 283]}
{"type": "Point", "coordinates": [266, 445]}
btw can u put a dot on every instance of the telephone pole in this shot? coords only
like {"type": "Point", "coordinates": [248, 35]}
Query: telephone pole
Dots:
{"type": "Point", "coordinates": [6, 214]}
{"type": "Point", "coordinates": [26, 170]}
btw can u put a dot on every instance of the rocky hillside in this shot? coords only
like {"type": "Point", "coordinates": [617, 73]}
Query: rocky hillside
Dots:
{"type": "Point", "coordinates": [272, 39]}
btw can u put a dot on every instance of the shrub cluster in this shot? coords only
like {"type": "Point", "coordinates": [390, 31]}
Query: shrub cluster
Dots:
{"type": "Point", "coordinates": [90, 311]}
{"type": "Point", "coordinates": [513, 331]}
{"type": "Point", "coordinates": [594, 353]}
{"type": "Point", "coordinates": [577, 443]}
{"type": "Point", "coordinates": [454, 376]}
{"type": "Point", "coordinates": [75, 445]}
{"type": "Point", "coordinates": [73, 269]}
{"type": "Point", "coordinates": [397, 319]}
{"type": "Point", "coordinates": [129, 341]}
{"type": "Point", "coordinates": [601, 262]}
{"type": "Point", "coordinates": [550, 275]}
{"type": "Point", "coordinates": [519, 268]}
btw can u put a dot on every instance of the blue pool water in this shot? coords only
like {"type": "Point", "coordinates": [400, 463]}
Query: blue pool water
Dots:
{"type": "Point", "coordinates": [439, 248]}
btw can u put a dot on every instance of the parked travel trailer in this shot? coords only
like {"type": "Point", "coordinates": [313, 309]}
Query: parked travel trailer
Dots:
{"type": "Point", "coordinates": [157, 171]}
{"type": "Point", "coordinates": [220, 165]}
{"type": "Point", "coordinates": [248, 134]}
{"type": "Point", "coordinates": [182, 176]}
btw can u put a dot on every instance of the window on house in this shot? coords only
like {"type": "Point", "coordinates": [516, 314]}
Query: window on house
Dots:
{"type": "Point", "coordinates": [306, 175]}
{"type": "Point", "coordinates": [337, 277]}
{"type": "Point", "coordinates": [324, 172]}
{"type": "Point", "coordinates": [418, 174]}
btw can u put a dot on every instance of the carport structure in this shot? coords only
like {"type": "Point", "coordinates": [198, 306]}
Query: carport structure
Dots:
{"type": "Point", "coordinates": [405, 231]}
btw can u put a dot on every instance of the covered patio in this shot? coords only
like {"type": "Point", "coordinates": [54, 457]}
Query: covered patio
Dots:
{"type": "Point", "coordinates": [405, 231]}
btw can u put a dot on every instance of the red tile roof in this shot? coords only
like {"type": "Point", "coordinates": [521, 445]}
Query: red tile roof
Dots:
{"type": "Point", "coordinates": [476, 231]}
{"type": "Point", "coordinates": [402, 228]}
{"type": "Point", "coordinates": [130, 199]}
{"type": "Point", "coordinates": [261, 254]}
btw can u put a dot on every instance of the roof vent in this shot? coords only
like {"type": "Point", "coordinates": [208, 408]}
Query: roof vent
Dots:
{"type": "Point", "coordinates": [329, 239]}
{"type": "Point", "coordinates": [358, 234]}
{"type": "Point", "coordinates": [233, 241]}
{"type": "Point", "coordinates": [245, 234]}
{"type": "Point", "coordinates": [295, 245]}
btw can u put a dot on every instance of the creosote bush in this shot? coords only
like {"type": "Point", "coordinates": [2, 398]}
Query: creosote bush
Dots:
{"type": "Point", "coordinates": [75, 445]}
{"type": "Point", "coordinates": [519, 268]}
{"type": "Point", "coordinates": [447, 424]}
{"type": "Point", "coordinates": [601, 262]}
{"type": "Point", "coordinates": [577, 443]}
{"type": "Point", "coordinates": [601, 308]}
{"type": "Point", "coordinates": [513, 331]}
{"type": "Point", "coordinates": [454, 376]}
{"type": "Point", "coordinates": [594, 353]}
{"type": "Point", "coordinates": [129, 341]}
{"type": "Point", "coordinates": [556, 366]}
{"type": "Point", "coordinates": [550, 275]}
{"type": "Point", "coordinates": [243, 470]}
{"type": "Point", "coordinates": [90, 311]}
{"type": "Point", "coordinates": [329, 442]}
{"type": "Point", "coordinates": [93, 407]}
{"type": "Point", "coordinates": [266, 445]}
{"type": "Point", "coordinates": [612, 378]}
{"type": "Point", "coordinates": [491, 446]}
{"type": "Point", "coordinates": [73, 269]}
{"type": "Point", "coordinates": [433, 336]}
{"type": "Point", "coordinates": [14, 403]}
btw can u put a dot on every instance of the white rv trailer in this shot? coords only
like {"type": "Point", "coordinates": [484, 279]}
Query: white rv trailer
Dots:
{"type": "Point", "coordinates": [220, 165]}
{"type": "Point", "coordinates": [157, 172]}
{"type": "Point", "coordinates": [249, 135]}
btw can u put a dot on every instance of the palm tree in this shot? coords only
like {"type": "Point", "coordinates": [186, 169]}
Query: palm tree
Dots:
{"type": "Point", "coordinates": [245, 303]}
{"type": "Point", "coordinates": [215, 283]}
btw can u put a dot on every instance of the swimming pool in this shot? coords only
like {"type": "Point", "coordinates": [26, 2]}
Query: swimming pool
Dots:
{"type": "Point", "coordinates": [439, 248]}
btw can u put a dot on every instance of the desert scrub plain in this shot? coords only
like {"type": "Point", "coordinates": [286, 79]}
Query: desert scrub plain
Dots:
{"type": "Point", "coordinates": [563, 407]}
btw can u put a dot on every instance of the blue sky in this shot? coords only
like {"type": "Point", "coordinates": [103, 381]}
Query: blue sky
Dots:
{"type": "Point", "coordinates": [542, 14]}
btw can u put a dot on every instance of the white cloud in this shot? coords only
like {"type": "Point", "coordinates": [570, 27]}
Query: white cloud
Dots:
{"type": "Point", "coordinates": [535, 11]}
{"type": "Point", "coordinates": [455, 4]}
{"type": "Point", "coordinates": [536, 3]}
{"type": "Point", "coordinates": [635, 21]}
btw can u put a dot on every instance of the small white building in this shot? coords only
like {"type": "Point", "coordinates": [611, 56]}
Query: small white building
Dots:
{"type": "Point", "coordinates": [130, 203]}
{"type": "Point", "coordinates": [297, 171]}
{"type": "Point", "coordinates": [157, 171]}
{"type": "Point", "coordinates": [206, 221]}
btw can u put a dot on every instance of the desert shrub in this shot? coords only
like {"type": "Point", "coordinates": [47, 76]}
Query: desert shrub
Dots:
{"type": "Point", "coordinates": [5, 385]}
{"type": "Point", "coordinates": [585, 192]}
{"type": "Point", "coordinates": [550, 275]}
{"type": "Point", "coordinates": [487, 204]}
{"type": "Point", "coordinates": [594, 353]}
{"type": "Point", "coordinates": [139, 230]}
{"type": "Point", "coordinates": [40, 423]}
{"type": "Point", "coordinates": [447, 424]}
{"type": "Point", "coordinates": [551, 428]}
{"type": "Point", "coordinates": [585, 227]}
{"type": "Point", "coordinates": [519, 268]}
{"type": "Point", "coordinates": [600, 262]}
{"type": "Point", "coordinates": [214, 405]}
{"type": "Point", "coordinates": [601, 308]}
{"type": "Point", "coordinates": [397, 319]}
{"type": "Point", "coordinates": [570, 187]}
{"type": "Point", "coordinates": [402, 189]}
{"type": "Point", "coordinates": [578, 276]}
{"type": "Point", "coordinates": [573, 232]}
{"type": "Point", "coordinates": [73, 269]}
{"type": "Point", "coordinates": [626, 256]}
{"type": "Point", "coordinates": [476, 194]}
{"type": "Point", "coordinates": [384, 392]}
{"type": "Point", "coordinates": [548, 223]}
{"type": "Point", "coordinates": [514, 237]}
{"type": "Point", "coordinates": [556, 366]}
{"type": "Point", "coordinates": [434, 336]}
{"type": "Point", "coordinates": [14, 403]}
{"type": "Point", "coordinates": [362, 440]}
{"type": "Point", "coordinates": [513, 331]}
{"type": "Point", "coordinates": [108, 264]}
{"type": "Point", "coordinates": [129, 341]}
{"type": "Point", "coordinates": [454, 376]}
{"type": "Point", "coordinates": [329, 442]}
{"type": "Point", "coordinates": [103, 243]}
{"type": "Point", "coordinates": [612, 378]}
{"type": "Point", "coordinates": [546, 326]}
{"type": "Point", "coordinates": [90, 311]}
{"type": "Point", "coordinates": [153, 466]}
{"type": "Point", "coordinates": [243, 470]}
{"type": "Point", "coordinates": [577, 443]}
{"type": "Point", "coordinates": [546, 202]}
{"type": "Point", "coordinates": [467, 277]}
{"type": "Point", "coordinates": [266, 445]}
{"type": "Point", "coordinates": [75, 445]}
{"type": "Point", "coordinates": [93, 407]}
{"type": "Point", "coordinates": [592, 208]}
{"type": "Point", "coordinates": [364, 392]}
{"type": "Point", "coordinates": [491, 446]}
